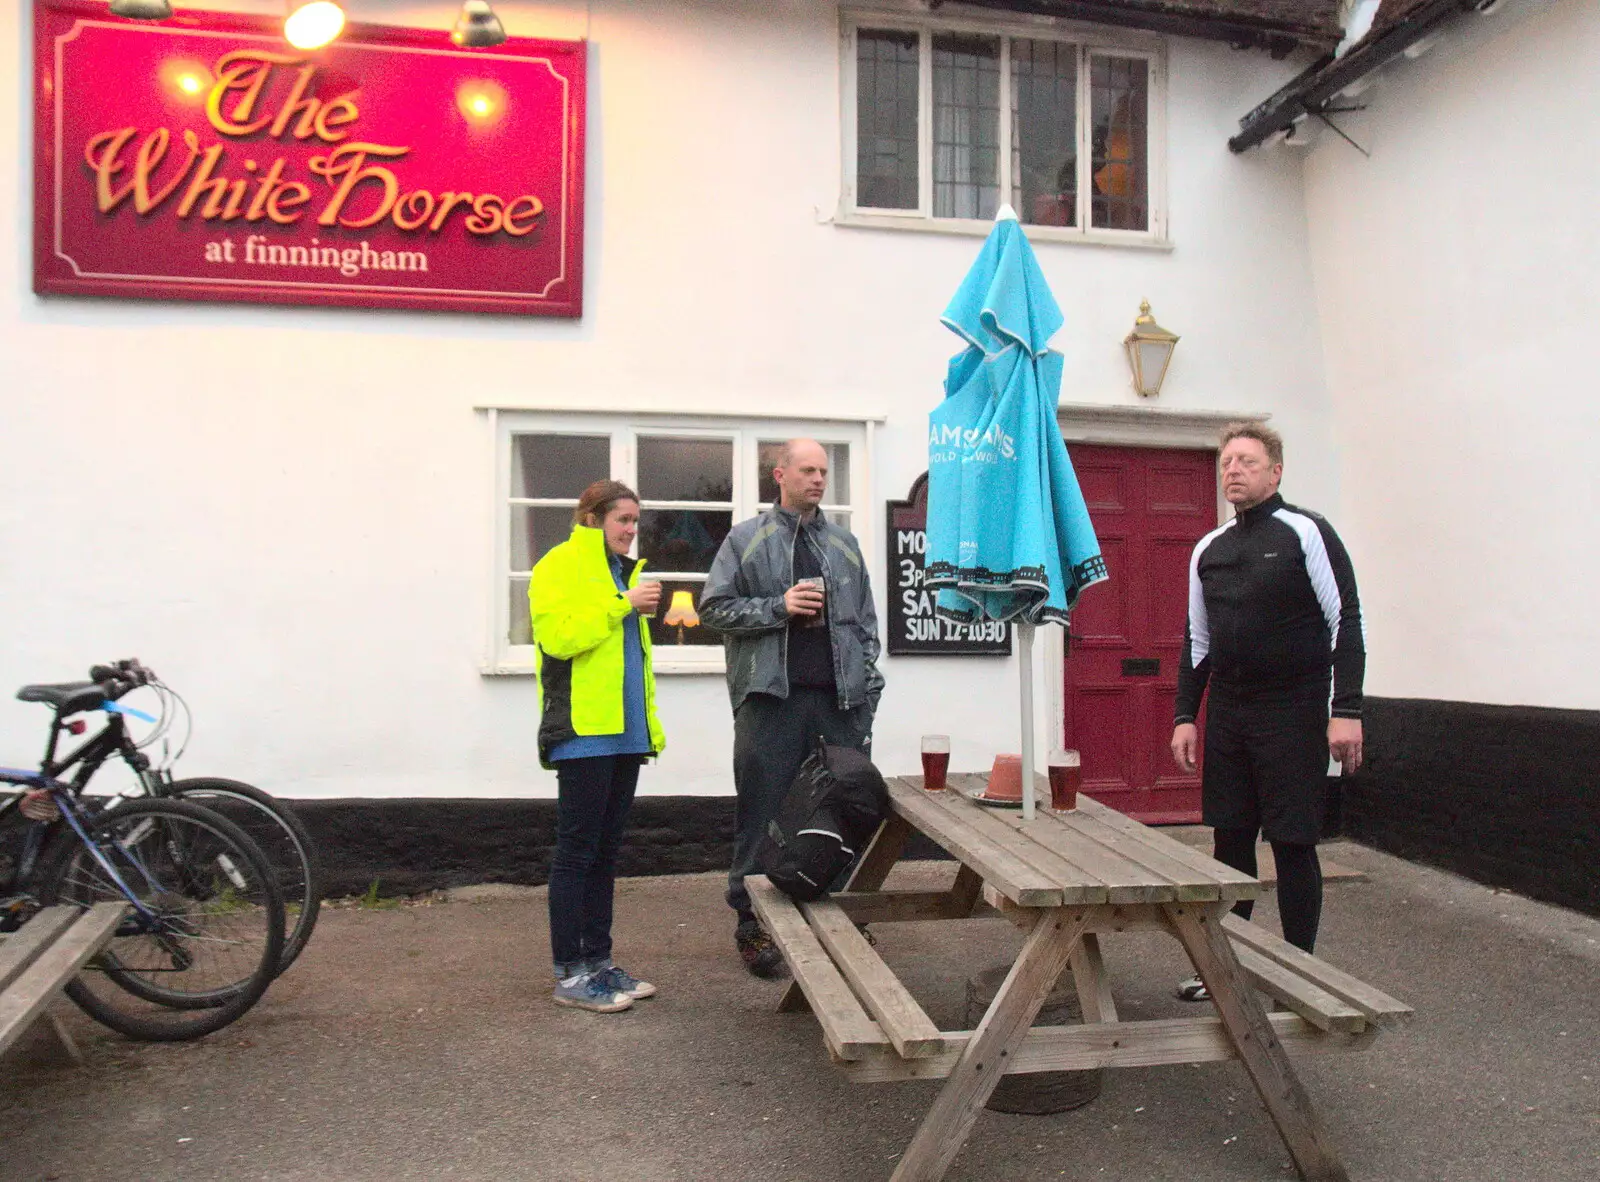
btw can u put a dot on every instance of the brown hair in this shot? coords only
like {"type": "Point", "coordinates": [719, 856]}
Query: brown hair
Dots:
{"type": "Point", "coordinates": [1260, 432]}
{"type": "Point", "coordinates": [599, 499]}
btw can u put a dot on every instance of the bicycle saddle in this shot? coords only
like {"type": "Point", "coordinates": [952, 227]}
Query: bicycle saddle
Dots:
{"type": "Point", "coordinates": [69, 697]}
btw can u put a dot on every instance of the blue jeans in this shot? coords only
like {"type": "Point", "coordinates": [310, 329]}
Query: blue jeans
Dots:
{"type": "Point", "coordinates": [595, 796]}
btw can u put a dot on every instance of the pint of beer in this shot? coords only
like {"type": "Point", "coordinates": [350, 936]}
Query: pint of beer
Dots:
{"type": "Point", "coordinates": [1066, 775]}
{"type": "Point", "coordinates": [935, 761]}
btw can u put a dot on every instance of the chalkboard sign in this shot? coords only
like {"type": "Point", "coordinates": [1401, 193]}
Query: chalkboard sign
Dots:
{"type": "Point", "coordinates": [913, 628]}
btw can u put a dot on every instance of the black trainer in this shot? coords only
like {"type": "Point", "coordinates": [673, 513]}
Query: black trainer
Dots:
{"type": "Point", "coordinates": [756, 949]}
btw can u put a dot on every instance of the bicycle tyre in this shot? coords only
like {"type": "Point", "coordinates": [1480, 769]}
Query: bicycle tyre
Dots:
{"type": "Point", "coordinates": [282, 837]}
{"type": "Point", "coordinates": [165, 850]}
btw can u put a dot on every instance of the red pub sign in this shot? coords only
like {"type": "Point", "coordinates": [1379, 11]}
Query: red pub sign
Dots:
{"type": "Point", "coordinates": [204, 158]}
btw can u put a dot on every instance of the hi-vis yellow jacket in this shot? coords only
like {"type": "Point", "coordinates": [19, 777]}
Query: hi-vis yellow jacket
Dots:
{"type": "Point", "coordinates": [578, 617]}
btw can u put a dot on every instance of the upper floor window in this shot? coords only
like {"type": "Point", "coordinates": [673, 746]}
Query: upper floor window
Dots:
{"type": "Point", "coordinates": [945, 123]}
{"type": "Point", "coordinates": [695, 478]}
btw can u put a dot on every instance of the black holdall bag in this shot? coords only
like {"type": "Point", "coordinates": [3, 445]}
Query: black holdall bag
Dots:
{"type": "Point", "coordinates": [831, 811]}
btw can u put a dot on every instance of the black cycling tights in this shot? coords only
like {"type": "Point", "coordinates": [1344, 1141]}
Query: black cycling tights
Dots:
{"type": "Point", "coordinates": [1299, 881]}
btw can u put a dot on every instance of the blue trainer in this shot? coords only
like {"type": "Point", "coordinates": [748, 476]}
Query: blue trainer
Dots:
{"type": "Point", "coordinates": [625, 982]}
{"type": "Point", "coordinates": [591, 992]}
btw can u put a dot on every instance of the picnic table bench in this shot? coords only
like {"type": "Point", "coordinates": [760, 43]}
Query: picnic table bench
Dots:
{"type": "Point", "coordinates": [1068, 879]}
{"type": "Point", "coordinates": [40, 957]}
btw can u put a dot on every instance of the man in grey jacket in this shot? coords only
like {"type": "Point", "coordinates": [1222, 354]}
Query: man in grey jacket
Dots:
{"type": "Point", "coordinates": [790, 594]}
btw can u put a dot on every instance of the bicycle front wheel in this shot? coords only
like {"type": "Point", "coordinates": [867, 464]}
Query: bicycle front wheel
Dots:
{"type": "Point", "coordinates": [283, 839]}
{"type": "Point", "coordinates": [205, 936]}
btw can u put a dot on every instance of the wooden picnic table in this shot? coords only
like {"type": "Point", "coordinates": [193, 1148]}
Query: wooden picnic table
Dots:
{"type": "Point", "coordinates": [1068, 879]}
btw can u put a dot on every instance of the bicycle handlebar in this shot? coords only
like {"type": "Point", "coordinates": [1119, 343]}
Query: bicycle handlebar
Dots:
{"type": "Point", "coordinates": [121, 677]}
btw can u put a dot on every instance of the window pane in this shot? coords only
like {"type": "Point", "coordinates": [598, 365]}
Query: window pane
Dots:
{"type": "Point", "coordinates": [679, 540]}
{"type": "Point", "coordinates": [535, 529]}
{"type": "Point", "coordinates": [886, 119]}
{"type": "Point", "coordinates": [838, 471]}
{"type": "Point", "coordinates": [681, 630]}
{"type": "Point", "coordinates": [1044, 132]}
{"type": "Point", "coordinates": [685, 469]}
{"type": "Point", "coordinates": [1120, 109]}
{"type": "Point", "coordinates": [966, 126]}
{"type": "Point", "coordinates": [521, 629]}
{"type": "Point", "coordinates": [558, 465]}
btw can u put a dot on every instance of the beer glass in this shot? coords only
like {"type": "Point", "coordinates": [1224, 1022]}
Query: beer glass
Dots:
{"type": "Point", "coordinates": [821, 618]}
{"type": "Point", "coordinates": [1065, 777]}
{"type": "Point", "coordinates": [935, 761]}
{"type": "Point", "coordinates": [643, 579]}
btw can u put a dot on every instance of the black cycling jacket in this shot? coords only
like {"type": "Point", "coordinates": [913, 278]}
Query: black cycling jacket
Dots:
{"type": "Point", "coordinates": [1272, 603]}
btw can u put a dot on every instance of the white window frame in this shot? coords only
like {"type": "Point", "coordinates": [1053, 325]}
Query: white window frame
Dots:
{"type": "Point", "coordinates": [501, 657]}
{"type": "Point", "coordinates": [1090, 40]}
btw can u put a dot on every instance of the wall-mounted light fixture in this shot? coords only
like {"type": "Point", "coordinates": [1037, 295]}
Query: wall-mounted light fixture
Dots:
{"type": "Point", "coordinates": [311, 24]}
{"type": "Point", "coordinates": [477, 27]}
{"type": "Point", "coordinates": [1149, 352]}
{"type": "Point", "coordinates": [142, 10]}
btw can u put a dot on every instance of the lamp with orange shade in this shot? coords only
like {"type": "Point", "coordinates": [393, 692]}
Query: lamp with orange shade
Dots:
{"type": "Point", "coordinates": [681, 613]}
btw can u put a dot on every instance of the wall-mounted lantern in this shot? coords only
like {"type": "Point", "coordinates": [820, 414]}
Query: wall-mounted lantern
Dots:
{"type": "Point", "coordinates": [477, 27]}
{"type": "Point", "coordinates": [1149, 352]}
{"type": "Point", "coordinates": [142, 10]}
{"type": "Point", "coordinates": [311, 24]}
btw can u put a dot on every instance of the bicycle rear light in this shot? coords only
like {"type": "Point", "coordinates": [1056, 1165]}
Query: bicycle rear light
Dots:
{"type": "Point", "coordinates": [75, 727]}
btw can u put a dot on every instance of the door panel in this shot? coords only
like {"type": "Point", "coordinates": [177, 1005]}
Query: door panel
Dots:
{"type": "Point", "coordinates": [1149, 508]}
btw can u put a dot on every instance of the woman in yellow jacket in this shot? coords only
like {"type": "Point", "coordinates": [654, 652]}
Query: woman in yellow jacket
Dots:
{"type": "Point", "coordinates": [597, 726]}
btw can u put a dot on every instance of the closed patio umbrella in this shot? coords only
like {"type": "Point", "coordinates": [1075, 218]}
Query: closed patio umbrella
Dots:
{"type": "Point", "coordinates": [1009, 536]}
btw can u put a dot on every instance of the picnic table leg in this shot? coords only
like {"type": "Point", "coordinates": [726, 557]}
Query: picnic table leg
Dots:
{"type": "Point", "coordinates": [64, 1037]}
{"type": "Point", "coordinates": [1089, 975]}
{"type": "Point", "coordinates": [1200, 930]}
{"type": "Point", "coordinates": [887, 846]}
{"type": "Point", "coordinates": [945, 1129]}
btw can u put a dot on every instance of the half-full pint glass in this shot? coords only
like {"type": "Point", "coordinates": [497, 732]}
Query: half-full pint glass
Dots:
{"type": "Point", "coordinates": [935, 761]}
{"type": "Point", "coordinates": [1065, 777]}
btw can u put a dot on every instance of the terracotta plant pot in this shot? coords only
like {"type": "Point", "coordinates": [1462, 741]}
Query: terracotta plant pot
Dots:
{"type": "Point", "coordinates": [1005, 778]}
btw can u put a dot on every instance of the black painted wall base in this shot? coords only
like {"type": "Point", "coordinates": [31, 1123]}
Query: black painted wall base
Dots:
{"type": "Point", "coordinates": [1506, 795]}
{"type": "Point", "coordinates": [1509, 796]}
{"type": "Point", "coordinates": [410, 846]}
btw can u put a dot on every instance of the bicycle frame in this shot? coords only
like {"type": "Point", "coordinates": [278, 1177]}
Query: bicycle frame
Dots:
{"type": "Point", "coordinates": [88, 758]}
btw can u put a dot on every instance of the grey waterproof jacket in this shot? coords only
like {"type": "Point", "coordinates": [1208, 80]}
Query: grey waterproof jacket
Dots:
{"type": "Point", "coordinates": [743, 600]}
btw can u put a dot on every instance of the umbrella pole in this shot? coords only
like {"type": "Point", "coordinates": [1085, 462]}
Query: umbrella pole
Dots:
{"type": "Point", "coordinates": [1025, 639]}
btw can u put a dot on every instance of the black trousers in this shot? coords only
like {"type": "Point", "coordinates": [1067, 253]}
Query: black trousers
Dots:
{"type": "Point", "coordinates": [1266, 771]}
{"type": "Point", "coordinates": [596, 794]}
{"type": "Point", "coordinates": [771, 739]}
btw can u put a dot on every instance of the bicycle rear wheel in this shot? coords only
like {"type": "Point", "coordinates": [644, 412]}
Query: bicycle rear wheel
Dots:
{"type": "Point", "coordinates": [283, 839]}
{"type": "Point", "coordinates": [209, 939]}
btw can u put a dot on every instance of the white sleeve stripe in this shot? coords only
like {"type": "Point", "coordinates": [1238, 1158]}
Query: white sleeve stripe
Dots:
{"type": "Point", "coordinates": [1199, 624]}
{"type": "Point", "coordinates": [1319, 569]}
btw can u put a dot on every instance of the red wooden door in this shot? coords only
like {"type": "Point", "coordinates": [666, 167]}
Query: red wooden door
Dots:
{"type": "Point", "coordinates": [1149, 508]}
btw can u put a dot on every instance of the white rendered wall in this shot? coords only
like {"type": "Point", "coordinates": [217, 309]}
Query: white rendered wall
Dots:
{"type": "Point", "coordinates": [1456, 280]}
{"type": "Point", "coordinates": [286, 512]}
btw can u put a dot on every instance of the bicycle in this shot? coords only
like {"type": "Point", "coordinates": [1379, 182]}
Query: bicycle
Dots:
{"type": "Point", "coordinates": [282, 836]}
{"type": "Point", "coordinates": [204, 933]}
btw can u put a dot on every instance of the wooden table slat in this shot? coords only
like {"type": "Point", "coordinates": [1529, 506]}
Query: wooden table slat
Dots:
{"type": "Point", "coordinates": [846, 1026]}
{"type": "Point", "coordinates": [1190, 884]}
{"type": "Point", "coordinates": [1125, 881]}
{"type": "Point", "coordinates": [1018, 880]}
{"type": "Point", "coordinates": [1241, 884]}
{"type": "Point", "coordinates": [1078, 883]}
{"type": "Point", "coordinates": [22, 947]}
{"type": "Point", "coordinates": [904, 1021]}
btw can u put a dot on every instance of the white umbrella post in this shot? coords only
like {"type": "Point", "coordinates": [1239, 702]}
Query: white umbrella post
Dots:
{"type": "Point", "coordinates": [1025, 639]}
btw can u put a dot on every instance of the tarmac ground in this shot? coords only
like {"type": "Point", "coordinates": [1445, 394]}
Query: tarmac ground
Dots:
{"type": "Point", "coordinates": [420, 1042]}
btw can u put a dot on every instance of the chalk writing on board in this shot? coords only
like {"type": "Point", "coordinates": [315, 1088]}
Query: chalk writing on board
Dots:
{"type": "Point", "coordinates": [913, 629]}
